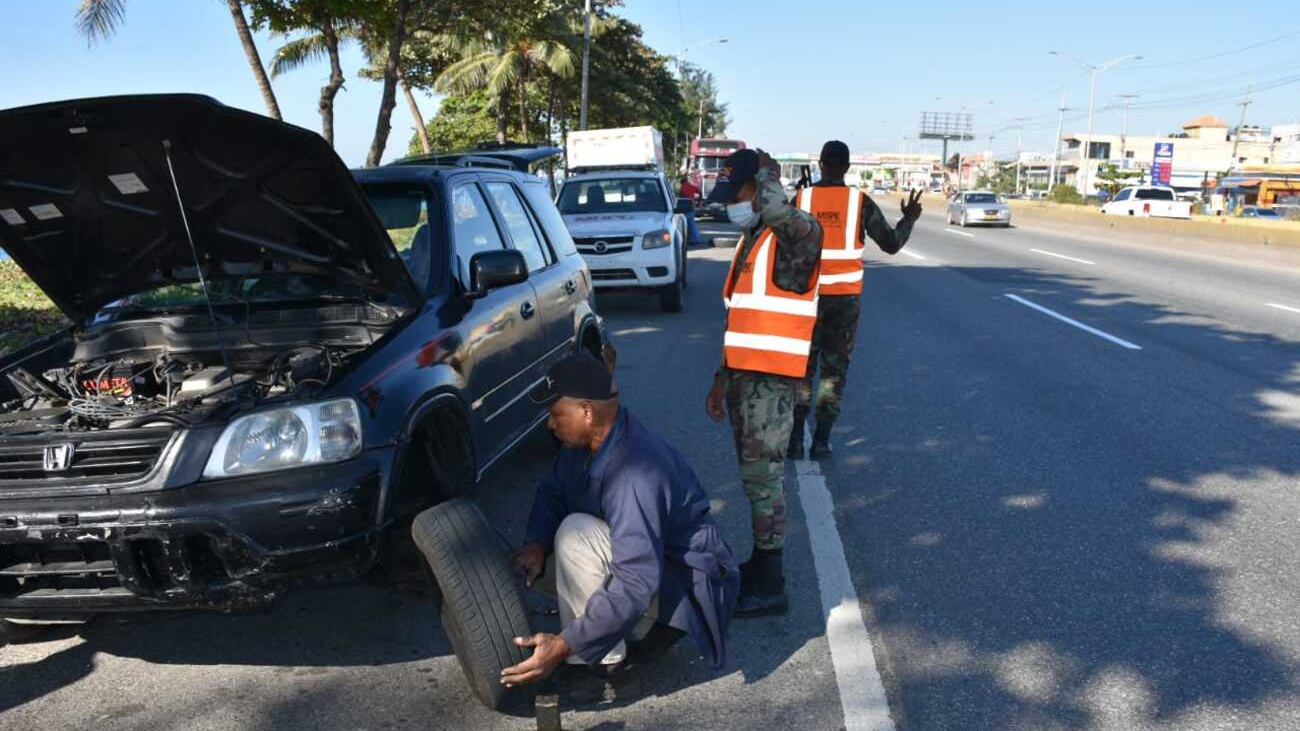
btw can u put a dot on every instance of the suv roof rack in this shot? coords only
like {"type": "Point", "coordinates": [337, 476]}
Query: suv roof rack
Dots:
{"type": "Point", "coordinates": [505, 156]}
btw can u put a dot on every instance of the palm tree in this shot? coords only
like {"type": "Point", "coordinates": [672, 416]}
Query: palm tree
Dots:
{"type": "Point", "coordinates": [97, 19]}
{"type": "Point", "coordinates": [498, 64]}
{"type": "Point", "coordinates": [325, 43]}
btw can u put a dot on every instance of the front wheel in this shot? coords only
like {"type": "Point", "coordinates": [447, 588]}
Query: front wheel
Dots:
{"type": "Point", "coordinates": [964, 223]}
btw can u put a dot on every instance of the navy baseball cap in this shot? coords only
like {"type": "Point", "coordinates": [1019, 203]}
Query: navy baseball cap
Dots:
{"type": "Point", "coordinates": [739, 168]}
{"type": "Point", "coordinates": [580, 376]}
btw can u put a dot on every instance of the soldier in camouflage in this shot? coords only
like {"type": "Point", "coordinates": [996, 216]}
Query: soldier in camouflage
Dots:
{"type": "Point", "coordinates": [837, 315]}
{"type": "Point", "coordinates": [761, 405]}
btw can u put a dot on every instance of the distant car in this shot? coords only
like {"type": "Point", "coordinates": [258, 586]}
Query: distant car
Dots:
{"type": "Point", "coordinates": [1148, 201]}
{"type": "Point", "coordinates": [1290, 212]}
{"type": "Point", "coordinates": [878, 190]}
{"type": "Point", "coordinates": [978, 208]}
{"type": "Point", "coordinates": [1263, 214]}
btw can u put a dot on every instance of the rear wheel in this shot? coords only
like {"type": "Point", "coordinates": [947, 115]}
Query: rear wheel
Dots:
{"type": "Point", "coordinates": [483, 607]}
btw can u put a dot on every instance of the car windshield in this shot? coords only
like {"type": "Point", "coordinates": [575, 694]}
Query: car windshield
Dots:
{"type": "Point", "coordinates": [616, 195]}
{"type": "Point", "coordinates": [981, 198]}
{"type": "Point", "coordinates": [709, 164]}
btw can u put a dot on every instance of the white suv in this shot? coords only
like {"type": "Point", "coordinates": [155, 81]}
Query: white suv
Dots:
{"type": "Point", "coordinates": [630, 228]}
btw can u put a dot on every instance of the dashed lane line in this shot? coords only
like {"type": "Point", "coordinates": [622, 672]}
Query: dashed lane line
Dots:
{"type": "Point", "coordinates": [1063, 256]}
{"type": "Point", "coordinates": [1051, 313]}
{"type": "Point", "coordinates": [1285, 307]}
{"type": "Point", "coordinates": [862, 692]}
{"type": "Point", "coordinates": [959, 233]}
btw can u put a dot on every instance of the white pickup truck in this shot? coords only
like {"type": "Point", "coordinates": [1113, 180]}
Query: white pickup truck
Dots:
{"type": "Point", "coordinates": [623, 215]}
{"type": "Point", "coordinates": [1148, 201]}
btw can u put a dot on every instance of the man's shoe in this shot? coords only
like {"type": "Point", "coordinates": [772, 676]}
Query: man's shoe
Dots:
{"type": "Point", "coordinates": [764, 593]}
{"type": "Point", "coordinates": [821, 442]}
{"type": "Point", "coordinates": [762, 605]}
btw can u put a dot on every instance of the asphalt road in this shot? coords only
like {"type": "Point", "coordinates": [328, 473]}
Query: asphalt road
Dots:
{"type": "Point", "coordinates": [1048, 527]}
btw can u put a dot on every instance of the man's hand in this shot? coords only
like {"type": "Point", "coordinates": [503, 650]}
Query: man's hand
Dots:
{"type": "Point", "coordinates": [912, 207]}
{"type": "Point", "coordinates": [548, 652]}
{"type": "Point", "coordinates": [716, 402]}
{"type": "Point", "coordinates": [530, 559]}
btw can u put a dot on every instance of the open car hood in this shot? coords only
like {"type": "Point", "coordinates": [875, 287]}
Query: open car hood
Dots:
{"type": "Point", "coordinates": [89, 211]}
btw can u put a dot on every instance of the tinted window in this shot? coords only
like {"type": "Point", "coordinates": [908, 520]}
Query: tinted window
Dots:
{"type": "Point", "coordinates": [619, 195]}
{"type": "Point", "coordinates": [1154, 194]}
{"type": "Point", "coordinates": [553, 227]}
{"type": "Point", "coordinates": [472, 228]}
{"type": "Point", "coordinates": [1124, 194]}
{"type": "Point", "coordinates": [981, 198]}
{"type": "Point", "coordinates": [520, 225]}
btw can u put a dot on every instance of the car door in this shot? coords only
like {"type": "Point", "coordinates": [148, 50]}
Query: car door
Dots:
{"type": "Point", "coordinates": [505, 337]}
{"type": "Point", "coordinates": [557, 286]}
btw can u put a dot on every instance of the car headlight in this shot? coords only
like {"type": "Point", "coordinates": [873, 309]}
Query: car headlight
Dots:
{"type": "Point", "coordinates": [282, 438]}
{"type": "Point", "coordinates": [657, 239]}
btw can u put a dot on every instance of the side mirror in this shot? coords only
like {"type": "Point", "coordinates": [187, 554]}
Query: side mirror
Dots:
{"type": "Point", "coordinates": [490, 270]}
{"type": "Point", "coordinates": [684, 206]}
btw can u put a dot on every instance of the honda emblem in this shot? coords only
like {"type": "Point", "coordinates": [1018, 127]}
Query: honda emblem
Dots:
{"type": "Point", "coordinates": [58, 457]}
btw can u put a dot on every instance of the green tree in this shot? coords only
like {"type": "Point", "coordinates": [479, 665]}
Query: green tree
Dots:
{"type": "Point", "coordinates": [1003, 179]}
{"type": "Point", "coordinates": [1112, 178]}
{"type": "Point", "coordinates": [1065, 193]}
{"type": "Point", "coordinates": [98, 19]}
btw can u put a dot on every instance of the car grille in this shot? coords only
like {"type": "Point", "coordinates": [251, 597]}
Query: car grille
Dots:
{"type": "Point", "coordinates": [992, 213]}
{"type": "Point", "coordinates": [613, 245]}
{"type": "Point", "coordinates": [108, 456]}
{"type": "Point", "coordinates": [612, 275]}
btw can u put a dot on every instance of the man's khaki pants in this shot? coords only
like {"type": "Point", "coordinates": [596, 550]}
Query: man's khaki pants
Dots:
{"type": "Point", "coordinates": [577, 568]}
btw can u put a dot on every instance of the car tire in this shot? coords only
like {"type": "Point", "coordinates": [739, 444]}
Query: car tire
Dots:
{"type": "Point", "coordinates": [482, 605]}
{"type": "Point", "coordinates": [686, 280]}
{"type": "Point", "coordinates": [964, 223]}
{"type": "Point", "coordinates": [13, 632]}
{"type": "Point", "coordinates": [672, 297]}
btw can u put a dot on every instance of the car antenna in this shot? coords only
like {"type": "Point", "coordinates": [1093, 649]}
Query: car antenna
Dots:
{"type": "Point", "coordinates": [203, 282]}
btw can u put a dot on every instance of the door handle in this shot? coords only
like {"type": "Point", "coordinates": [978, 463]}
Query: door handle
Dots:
{"type": "Point", "coordinates": [570, 287]}
{"type": "Point", "coordinates": [527, 310]}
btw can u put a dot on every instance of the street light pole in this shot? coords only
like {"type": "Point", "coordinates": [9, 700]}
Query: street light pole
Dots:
{"type": "Point", "coordinates": [1020, 144]}
{"type": "Point", "coordinates": [1093, 71]}
{"type": "Point", "coordinates": [586, 64]}
{"type": "Point", "coordinates": [1123, 129]}
{"type": "Point", "coordinates": [1056, 146]}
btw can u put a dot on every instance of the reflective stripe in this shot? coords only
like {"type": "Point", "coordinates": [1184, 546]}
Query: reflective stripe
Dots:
{"type": "Point", "coordinates": [783, 305]}
{"type": "Point", "coordinates": [804, 197]}
{"type": "Point", "coordinates": [774, 343]}
{"type": "Point", "coordinates": [841, 278]}
{"type": "Point", "coordinates": [759, 276]}
{"type": "Point", "coordinates": [851, 223]}
{"type": "Point", "coordinates": [841, 255]}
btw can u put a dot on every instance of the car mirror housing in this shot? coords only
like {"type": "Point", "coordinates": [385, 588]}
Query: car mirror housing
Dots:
{"type": "Point", "coordinates": [491, 270]}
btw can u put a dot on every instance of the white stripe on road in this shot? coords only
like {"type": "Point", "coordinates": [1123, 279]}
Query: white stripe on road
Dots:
{"type": "Point", "coordinates": [913, 254]}
{"type": "Point", "coordinates": [1063, 256]}
{"type": "Point", "coordinates": [1105, 336]}
{"type": "Point", "coordinates": [960, 233]}
{"type": "Point", "coordinates": [862, 693]}
{"type": "Point", "coordinates": [1284, 307]}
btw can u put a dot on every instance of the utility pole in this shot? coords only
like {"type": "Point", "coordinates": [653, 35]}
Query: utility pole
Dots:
{"type": "Point", "coordinates": [1123, 130]}
{"type": "Point", "coordinates": [700, 133]}
{"type": "Point", "coordinates": [1056, 145]}
{"type": "Point", "coordinates": [586, 63]}
{"type": "Point", "coordinates": [991, 167]}
{"type": "Point", "coordinates": [1093, 70]}
{"type": "Point", "coordinates": [1020, 144]}
{"type": "Point", "coordinates": [1236, 139]}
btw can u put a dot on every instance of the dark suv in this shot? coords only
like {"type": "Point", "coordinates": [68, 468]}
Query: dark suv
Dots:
{"type": "Point", "coordinates": [274, 361]}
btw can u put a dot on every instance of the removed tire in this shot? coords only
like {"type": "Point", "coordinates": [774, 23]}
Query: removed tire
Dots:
{"type": "Point", "coordinates": [483, 606]}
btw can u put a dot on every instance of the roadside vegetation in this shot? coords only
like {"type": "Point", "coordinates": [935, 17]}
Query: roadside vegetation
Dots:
{"type": "Point", "coordinates": [25, 312]}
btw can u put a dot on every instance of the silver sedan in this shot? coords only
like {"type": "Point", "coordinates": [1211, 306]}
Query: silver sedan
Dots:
{"type": "Point", "coordinates": [978, 208]}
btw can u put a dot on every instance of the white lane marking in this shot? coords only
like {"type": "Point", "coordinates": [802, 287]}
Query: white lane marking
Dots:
{"type": "Point", "coordinates": [1105, 336]}
{"type": "Point", "coordinates": [1063, 256]}
{"type": "Point", "coordinates": [862, 692]}
{"type": "Point", "coordinates": [913, 254]}
{"type": "Point", "coordinates": [960, 233]}
{"type": "Point", "coordinates": [1284, 307]}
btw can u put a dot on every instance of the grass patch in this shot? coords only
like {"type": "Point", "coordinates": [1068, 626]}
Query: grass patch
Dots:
{"type": "Point", "coordinates": [25, 312]}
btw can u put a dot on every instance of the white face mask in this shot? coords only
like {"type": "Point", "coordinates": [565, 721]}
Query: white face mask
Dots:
{"type": "Point", "coordinates": [742, 214]}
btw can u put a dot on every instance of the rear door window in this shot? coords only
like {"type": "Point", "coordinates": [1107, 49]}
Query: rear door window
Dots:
{"type": "Point", "coordinates": [520, 225]}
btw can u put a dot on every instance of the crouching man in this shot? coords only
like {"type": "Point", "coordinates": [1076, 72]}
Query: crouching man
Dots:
{"type": "Point", "coordinates": [622, 528]}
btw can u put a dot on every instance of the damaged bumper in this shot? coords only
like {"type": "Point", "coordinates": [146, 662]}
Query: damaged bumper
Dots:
{"type": "Point", "coordinates": [225, 544]}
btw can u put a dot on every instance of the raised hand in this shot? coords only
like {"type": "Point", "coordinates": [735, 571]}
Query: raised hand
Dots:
{"type": "Point", "coordinates": [912, 206]}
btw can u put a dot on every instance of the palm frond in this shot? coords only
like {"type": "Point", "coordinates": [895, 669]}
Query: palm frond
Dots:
{"type": "Point", "coordinates": [97, 19]}
{"type": "Point", "coordinates": [554, 57]}
{"type": "Point", "coordinates": [298, 53]}
{"type": "Point", "coordinates": [467, 74]}
{"type": "Point", "coordinates": [504, 73]}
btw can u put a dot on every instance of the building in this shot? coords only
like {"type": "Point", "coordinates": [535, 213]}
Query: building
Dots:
{"type": "Point", "coordinates": [1285, 139]}
{"type": "Point", "coordinates": [1202, 152]}
{"type": "Point", "coordinates": [1263, 185]}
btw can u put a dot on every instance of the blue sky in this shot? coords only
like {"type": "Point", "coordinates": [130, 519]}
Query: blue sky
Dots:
{"type": "Point", "coordinates": [794, 74]}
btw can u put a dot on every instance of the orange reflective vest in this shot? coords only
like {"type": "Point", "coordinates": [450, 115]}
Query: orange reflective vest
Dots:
{"type": "Point", "coordinates": [769, 330]}
{"type": "Point", "coordinates": [838, 209]}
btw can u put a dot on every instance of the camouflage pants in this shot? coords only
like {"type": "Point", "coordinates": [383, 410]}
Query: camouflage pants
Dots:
{"type": "Point", "coordinates": [761, 409]}
{"type": "Point", "coordinates": [832, 351]}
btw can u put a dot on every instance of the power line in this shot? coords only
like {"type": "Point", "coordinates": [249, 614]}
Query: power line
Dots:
{"type": "Point", "coordinates": [1212, 56]}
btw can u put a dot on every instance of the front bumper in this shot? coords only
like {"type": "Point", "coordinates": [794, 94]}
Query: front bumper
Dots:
{"type": "Point", "coordinates": [633, 270]}
{"type": "Point", "coordinates": [224, 545]}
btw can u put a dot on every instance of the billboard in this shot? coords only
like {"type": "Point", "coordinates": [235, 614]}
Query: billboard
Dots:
{"type": "Point", "coordinates": [1162, 164]}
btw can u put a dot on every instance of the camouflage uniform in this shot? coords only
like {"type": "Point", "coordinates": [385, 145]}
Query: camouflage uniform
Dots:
{"type": "Point", "coordinates": [837, 325]}
{"type": "Point", "coordinates": [761, 405]}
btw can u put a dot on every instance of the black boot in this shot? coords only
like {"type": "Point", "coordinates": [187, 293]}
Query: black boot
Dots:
{"type": "Point", "coordinates": [795, 450]}
{"type": "Point", "coordinates": [821, 442]}
{"type": "Point", "coordinates": [764, 593]}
